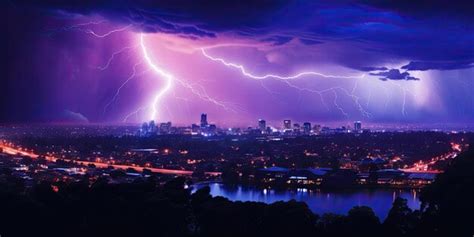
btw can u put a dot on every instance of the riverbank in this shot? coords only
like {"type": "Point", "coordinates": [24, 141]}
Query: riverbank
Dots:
{"type": "Point", "coordinates": [319, 201]}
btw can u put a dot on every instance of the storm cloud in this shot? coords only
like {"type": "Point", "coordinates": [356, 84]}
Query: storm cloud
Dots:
{"type": "Point", "coordinates": [435, 36]}
{"type": "Point", "coordinates": [394, 74]}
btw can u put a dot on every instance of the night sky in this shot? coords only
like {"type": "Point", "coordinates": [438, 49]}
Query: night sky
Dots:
{"type": "Point", "coordinates": [126, 61]}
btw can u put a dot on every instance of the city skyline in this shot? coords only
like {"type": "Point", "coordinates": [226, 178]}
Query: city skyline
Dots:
{"type": "Point", "coordinates": [205, 118]}
{"type": "Point", "coordinates": [100, 64]}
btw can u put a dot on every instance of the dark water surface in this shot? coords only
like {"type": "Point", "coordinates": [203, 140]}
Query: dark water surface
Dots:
{"type": "Point", "coordinates": [319, 201]}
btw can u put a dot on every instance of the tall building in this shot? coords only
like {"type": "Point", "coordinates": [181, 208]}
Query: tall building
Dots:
{"type": "Point", "coordinates": [152, 127]}
{"type": "Point", "coordinates": [212, 129]}
{"type": "Point", "coordinates": [145, 127]}
{"type": "Point", "coordinates": [317, 129]}
{"type": "Point", "coordinates": [262, 125]}
{"type": "Point", "coordinates": [307, 128]}
{"type": "Point", "coordinates": [165, 128]}
{"type": "Point", "coordinates": [357, 126]}
{"type": "Point", "coordinates": [204, 120]}
{"type": "Point", "coordinates": [195, 128]}
{"type": "Point", "coordinates": [286, 124]}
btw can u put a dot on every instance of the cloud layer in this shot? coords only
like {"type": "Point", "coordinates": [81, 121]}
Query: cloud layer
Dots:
{"type": "Point", "coordinates": [435, 36]}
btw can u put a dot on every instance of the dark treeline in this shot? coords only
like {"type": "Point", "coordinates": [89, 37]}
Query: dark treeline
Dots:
{"type": "Point", "coordinates": [145, 208]}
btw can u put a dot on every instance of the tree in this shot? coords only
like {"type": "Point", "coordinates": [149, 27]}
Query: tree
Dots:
{"type": "Point", "coordinates": [401, 219]}
{"type": "Point", "coordinates": [362, 221]}
{"type": "Point", "coordinates": [448, 204]}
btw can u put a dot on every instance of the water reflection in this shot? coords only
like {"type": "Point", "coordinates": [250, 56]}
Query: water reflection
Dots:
{"type": "Point", "coordinates": [319, 201]}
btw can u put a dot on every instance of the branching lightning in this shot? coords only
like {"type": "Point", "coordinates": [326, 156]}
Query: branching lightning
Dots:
{"type": "Point", "coordinates": [200, 91]}
{"type": "Point", "coordinates": [75, 27]}
{"type": "Point", "coordinates": [287, 79]}
{"type": "Point", "coordinates": [136, 113]}
{"type": "Point", "coordinates": [196, 89]}
{"type": "Point", "coordinates": [89, 31]}
{"type": "Point", "coordinates": [165, 75]}
{"type": "Point", "coordinates": [267, 76]}
{"type": "Point", "coordinates": [133, 75]}
{"type": "Point", "coordinates": [112, 57]}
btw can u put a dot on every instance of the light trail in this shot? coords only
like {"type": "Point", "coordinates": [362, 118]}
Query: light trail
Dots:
{"type": "Point", "coordinates": [11, 150]}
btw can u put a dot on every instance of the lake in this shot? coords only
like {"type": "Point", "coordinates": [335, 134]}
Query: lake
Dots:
{"type": "Point", "coordinates": [319, 201]}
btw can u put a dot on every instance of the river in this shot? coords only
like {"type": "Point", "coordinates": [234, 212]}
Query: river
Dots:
{"type": "Point", "coordinates": [319, 201]}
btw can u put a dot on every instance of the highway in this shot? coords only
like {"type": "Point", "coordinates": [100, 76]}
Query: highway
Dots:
{"type": "Point", "coordinates": [12, 150]}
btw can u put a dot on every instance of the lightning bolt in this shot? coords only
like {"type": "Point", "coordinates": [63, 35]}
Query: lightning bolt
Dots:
{"type": "Point", "coordinates": [89, 31]}
{"type": "Point", "coordinates": [196, 89]}
{"type": "Point", "coordinates": [74, 27]}
{"type": "Point", "coordinates": [267, 76]}
{"type": "Point", "coordinates": [132, 75]}
{"type": "Point", "coordinates": [168, 78]}
{"type": "Point", "coordinates": [287, 79]}
{"type": "Point", "coordinates": [201, 92]}
{"type": "Point", "coordinates": [405, 92]}
{"type": "Point", "coordinates": [114, 54]}
{"type": "Point", "coordinates": [79, 27]}
{"type": "Point", "coordinates": [334, 90]}
{"type": "Point", "coordinates": [337, 105]}
{"type": "Point", "coordinates": [136, 113]}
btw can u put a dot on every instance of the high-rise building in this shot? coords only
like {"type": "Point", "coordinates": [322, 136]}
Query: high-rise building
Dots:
{"type": "Point", "coordinates": [262, 125]}
{"type": "Point", "coordinates": [212, 129]}
{"type": "Point", "coordinates": [145, 127]}
{"type": "Point", "coordinates": [165, 128]}
{"type": "Point", "coordinates": [307, 128]}
{"type": "Point", "coordinates": [357, 126]}
{"type": "Point", "coordinates": [286, 124]}
{"type": "Point", "coordinates": [195, 128]}
{"type": "Point", "coordinates": [152, 127]}
{"type": "Point", "coordinates": [317, 129]}
{"type": "Point", "coordinates": [204, 120]}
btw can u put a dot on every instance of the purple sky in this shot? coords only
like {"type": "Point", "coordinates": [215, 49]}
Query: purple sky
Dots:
{"type": "Point", "coordinates": [369, 61]}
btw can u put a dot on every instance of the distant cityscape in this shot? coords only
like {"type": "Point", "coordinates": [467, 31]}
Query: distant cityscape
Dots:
{"type": "Point", "coordinates": [287, 128]}
{"type": "Point", "coordinates": [291, 155]}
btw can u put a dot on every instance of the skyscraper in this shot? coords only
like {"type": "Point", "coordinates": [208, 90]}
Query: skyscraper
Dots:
{"type": "Point", "coordinates": [262, 125]}
{"type": "Point", "coordinates": [307, 128]}
{"type": "Point", "coordinates": [286, 124]}
{"type": "Point", "coordinates": [165, 128]}
{"type": "Point", "coordinates": [152, 127]}
{"type": "Point", "coordinates": [204, 120]}
{"type": "Point", "coordinates": [357, 126]}
{"type": "Point", "coordinates": [317, 129]}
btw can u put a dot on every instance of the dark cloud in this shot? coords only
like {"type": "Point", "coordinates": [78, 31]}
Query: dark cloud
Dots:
{"type": "Point", "coordinates": [370, 69]}
{"type": "Point", "coordinates": [458, 8]}
{"type": "Point", "coordinates": [200, 18]}
{"type": "Point", "coordinates": [278, 40]}
{"type": "Point", "coordinates": [310, 41]}
{"type": "Point", "coordinates": [394, 74]}
{"type": "Point", "coordinates": [423, 66]}
{"type": "Point", "coordinates": [429, 34]}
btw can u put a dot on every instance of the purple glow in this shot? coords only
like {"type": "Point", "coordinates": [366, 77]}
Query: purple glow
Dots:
{"type": "Point", "coordinates": [96, 68]}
